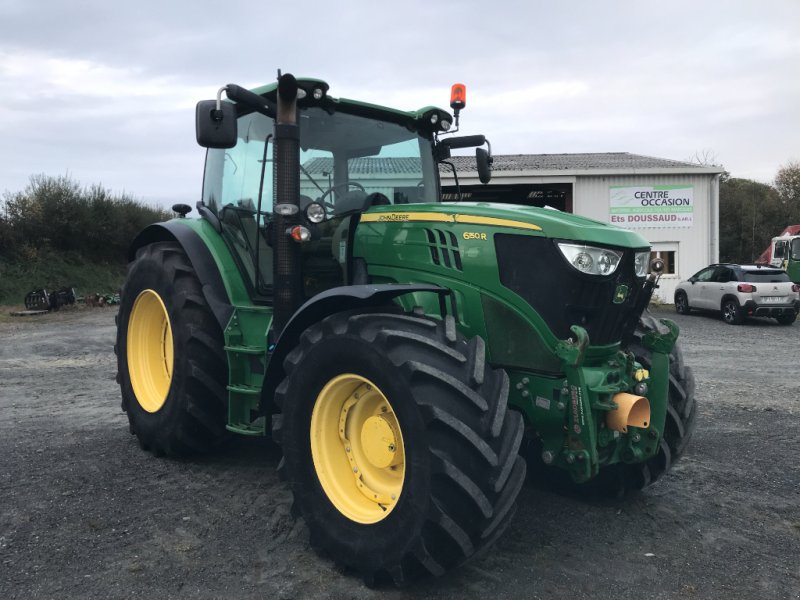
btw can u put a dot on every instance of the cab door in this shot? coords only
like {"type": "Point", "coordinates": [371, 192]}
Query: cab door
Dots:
{"type": "Point", "coordinates": [793, 264]}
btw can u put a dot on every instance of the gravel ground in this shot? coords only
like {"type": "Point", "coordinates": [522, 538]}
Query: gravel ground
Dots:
{"type": "Point", "coordinates": [84, 513]}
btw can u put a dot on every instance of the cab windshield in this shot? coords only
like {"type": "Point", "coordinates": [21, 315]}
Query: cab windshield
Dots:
{"type": "Point", "coordinates": [343, 158]}
{"type": "Point", "coordinates": [347, 163]}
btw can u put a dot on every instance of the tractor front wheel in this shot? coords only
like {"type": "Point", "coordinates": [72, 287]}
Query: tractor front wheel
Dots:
{"type": "Point", "coordinates": [620, 479]}
{"type": "Point", "coordinates": [171, 364]}
{"type": "Point", "coordinates": [398, 445]}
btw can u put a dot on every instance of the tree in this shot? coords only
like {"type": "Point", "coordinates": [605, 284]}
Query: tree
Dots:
{"type": "Point", "coordinates": [749, 214]}
{"type": "Point", "coordinates": [705, 158]}
{"type": "Point", "coordinates": [787, 183]}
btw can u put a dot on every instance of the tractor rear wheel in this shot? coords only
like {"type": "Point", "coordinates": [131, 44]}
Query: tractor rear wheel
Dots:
{"type": "Point", "coordinates": [398, 446]}
{"type": "Point", "coordinates": [171, 364]}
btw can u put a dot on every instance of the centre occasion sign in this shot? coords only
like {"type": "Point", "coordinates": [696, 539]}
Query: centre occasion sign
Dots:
{"type": "Point", "coordinates": [651, 205]}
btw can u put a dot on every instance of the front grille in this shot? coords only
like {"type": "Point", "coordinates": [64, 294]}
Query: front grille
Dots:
{"type": "Point", "coordinates": [535, 269]}
{"type": "Point", "coordinates": [444, 248]}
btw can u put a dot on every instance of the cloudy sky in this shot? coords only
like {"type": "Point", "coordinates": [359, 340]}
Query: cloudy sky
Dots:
{"type": "Point", "coordinates": [104, 90]}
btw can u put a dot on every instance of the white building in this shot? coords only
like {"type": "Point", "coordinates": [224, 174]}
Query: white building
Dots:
{"type": "Point", "coordinates": [672, 204]}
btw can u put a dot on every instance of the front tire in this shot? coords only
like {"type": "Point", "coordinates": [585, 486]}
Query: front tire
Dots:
{"type": "Point", "coordinates": [171, 365]}
{"type": "Point", "coordinates": [620, 479]}
{"type": "Point", "coordinates": [398, 446]}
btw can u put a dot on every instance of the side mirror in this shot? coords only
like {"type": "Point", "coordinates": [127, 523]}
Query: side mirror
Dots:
{"type": "Point", "coordinates": [484, 163]}
{"type": "Point", "coordinates": [215, 127]}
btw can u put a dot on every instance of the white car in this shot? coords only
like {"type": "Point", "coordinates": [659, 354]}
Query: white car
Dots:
{"type": "Point", "coordinates": [739, 291]}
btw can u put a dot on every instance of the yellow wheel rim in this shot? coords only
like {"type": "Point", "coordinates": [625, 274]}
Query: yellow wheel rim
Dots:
{"type": "Point", "coordinates": [149, 351]}
{"type": "Point", "coordinates": [357, 448]}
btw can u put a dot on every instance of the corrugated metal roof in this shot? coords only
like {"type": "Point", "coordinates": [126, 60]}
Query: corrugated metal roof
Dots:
{"type": "Point", "coordinates": [523, 163]}
{"type": "Point", "coordinates": [367, 166]}
{"type": "Point", "coordinates": [600, 161]}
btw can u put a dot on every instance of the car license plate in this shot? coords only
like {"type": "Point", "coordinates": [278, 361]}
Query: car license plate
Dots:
{"type": "Point", "coordinates": [773, 299]}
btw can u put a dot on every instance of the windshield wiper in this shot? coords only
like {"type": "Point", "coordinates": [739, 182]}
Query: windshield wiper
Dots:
{"type": "Point", "coordinates": [311, 179]}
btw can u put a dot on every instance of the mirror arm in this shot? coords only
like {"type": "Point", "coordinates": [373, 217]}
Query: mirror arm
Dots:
{"type": "Point", "coordinates": [243, 96]}
{"type": "Point", "coordinates": [217, 115]}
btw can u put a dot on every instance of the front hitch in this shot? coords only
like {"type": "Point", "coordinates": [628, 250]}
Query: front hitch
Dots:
{"type": "Point", "coordinates": [599, 394]}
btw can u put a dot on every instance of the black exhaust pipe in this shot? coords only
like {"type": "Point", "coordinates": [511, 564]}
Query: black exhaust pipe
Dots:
{"type": "Point", "coordinates": [287, 275]}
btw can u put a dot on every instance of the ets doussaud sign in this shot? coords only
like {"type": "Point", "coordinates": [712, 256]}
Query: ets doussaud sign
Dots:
{"type": "Point", "coordinates": [651, 205]}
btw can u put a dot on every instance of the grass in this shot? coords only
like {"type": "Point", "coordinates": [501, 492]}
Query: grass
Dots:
{"type": "Point", "coordinates": [50, 270]}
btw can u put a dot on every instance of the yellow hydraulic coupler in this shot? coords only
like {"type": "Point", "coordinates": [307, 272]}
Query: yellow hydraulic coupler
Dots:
{"type": "Point", "coordinates": [633, 411]}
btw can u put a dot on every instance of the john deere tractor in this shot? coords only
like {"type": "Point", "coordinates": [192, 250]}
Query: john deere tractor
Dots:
{"type": "Point", "coordinates": [399, 349]}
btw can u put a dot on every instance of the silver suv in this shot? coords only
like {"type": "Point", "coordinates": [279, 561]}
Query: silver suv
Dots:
{"type": "Point", "coordinates": [740, 291]}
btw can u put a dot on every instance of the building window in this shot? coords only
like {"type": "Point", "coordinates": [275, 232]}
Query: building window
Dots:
{"type": "Point", "coordinates": [668, 256]}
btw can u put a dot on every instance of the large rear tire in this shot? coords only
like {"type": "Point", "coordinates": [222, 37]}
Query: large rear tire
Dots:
{"type": "Point", "coordinates": [171, 365]}
{"type": "Point", "coordinates": [398, 446]}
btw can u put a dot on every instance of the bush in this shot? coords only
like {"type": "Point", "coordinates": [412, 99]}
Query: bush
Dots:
{"type": "Point", "coordinates": [56, 233]}
{"type": "Point", "coordinates": [55, 213]}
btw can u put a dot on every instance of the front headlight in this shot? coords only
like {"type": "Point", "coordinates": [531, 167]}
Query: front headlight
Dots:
{"type": "Point", "coordinates": [590, 259]}
{"type": "Point", "coordinates": [315, 212]}
{"type": "Point", "coordinates": [640, 260]}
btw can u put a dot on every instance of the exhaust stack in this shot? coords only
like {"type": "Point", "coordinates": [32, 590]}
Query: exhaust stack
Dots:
{"type": "Point", "coordinates": [287, 276]}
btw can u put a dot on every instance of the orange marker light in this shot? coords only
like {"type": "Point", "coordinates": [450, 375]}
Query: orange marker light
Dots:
{"type": "Point", "coordinates": [458, 96]}
{"type": "Point", "coordinates": [300, 233]}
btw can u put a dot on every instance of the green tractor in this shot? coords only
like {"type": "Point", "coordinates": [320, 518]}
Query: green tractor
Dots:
{"type": "Point", "coordinates": [401, 351]}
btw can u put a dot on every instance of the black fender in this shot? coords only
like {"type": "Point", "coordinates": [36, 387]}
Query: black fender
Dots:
{"type": "Point", "coordinates": [203, 262]}
{"type": "Point", "coordinates": [338, 299]}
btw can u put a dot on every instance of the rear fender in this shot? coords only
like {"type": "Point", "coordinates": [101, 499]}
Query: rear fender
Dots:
{"type": "Point", "coordinates": [339, 299]}
{"type": "Point", "coordinates": [203, 262]}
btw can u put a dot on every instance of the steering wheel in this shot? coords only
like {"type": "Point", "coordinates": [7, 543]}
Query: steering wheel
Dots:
{"type": "Point", "coordinates": [346, 185]}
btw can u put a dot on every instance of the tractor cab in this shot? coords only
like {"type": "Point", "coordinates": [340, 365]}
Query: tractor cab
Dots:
{"type": "Point", "coordinates": [352, 156]}
{"type": "Point", "coordinates": [785, 253]}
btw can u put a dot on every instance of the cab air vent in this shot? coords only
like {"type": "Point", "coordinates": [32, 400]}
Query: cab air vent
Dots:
{"type": "Point", "coordinates": [444, 248]}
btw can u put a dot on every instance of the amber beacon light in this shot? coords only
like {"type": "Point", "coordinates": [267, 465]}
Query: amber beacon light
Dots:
{"type": "Point", "coordinates": [458, 96]}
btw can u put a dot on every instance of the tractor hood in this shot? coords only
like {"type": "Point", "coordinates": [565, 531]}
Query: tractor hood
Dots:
{"type": "Point", "coordinates": [542, 221]}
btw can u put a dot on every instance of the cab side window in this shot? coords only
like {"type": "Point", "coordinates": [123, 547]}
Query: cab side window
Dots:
{"type": "Point", "coordinates": [236, 180]}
